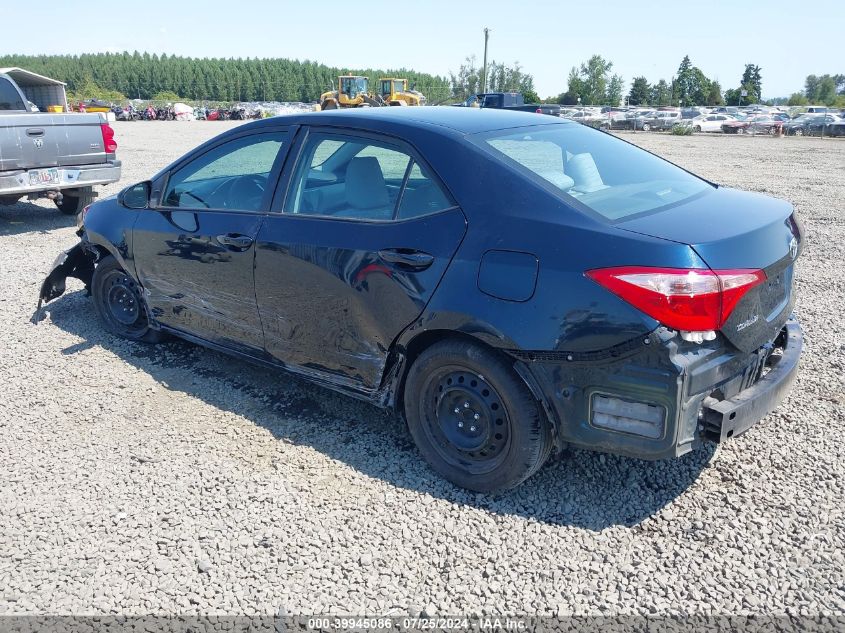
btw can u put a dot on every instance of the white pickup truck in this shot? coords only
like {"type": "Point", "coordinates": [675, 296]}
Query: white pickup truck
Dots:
{"type": "Point", "coordinates": [57, 156]}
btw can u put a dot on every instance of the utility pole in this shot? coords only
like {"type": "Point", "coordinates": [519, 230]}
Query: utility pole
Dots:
{"type": "Point", "coordinates": [484, 67]}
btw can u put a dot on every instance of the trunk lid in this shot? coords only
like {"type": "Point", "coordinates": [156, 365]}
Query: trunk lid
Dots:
{"type": "Point", "coordinates": [29, 141]}
{"type": "Point", "coordinates": [732, 229]}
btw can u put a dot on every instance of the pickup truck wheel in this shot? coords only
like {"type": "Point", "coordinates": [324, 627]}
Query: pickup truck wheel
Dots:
{"type": "Point", "coordinates": [120, 304]}
{"type": "Point", "coordinates": [74, 201]}
{"type": "Point", "coordinates": [473, 419]}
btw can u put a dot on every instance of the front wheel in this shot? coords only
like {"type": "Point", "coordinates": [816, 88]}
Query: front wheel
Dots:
{"type": "Point", "coordinates": [646, 127]}
{"type": "Point", "coordinates": [472, 418]}
{"type": "Point", "coordinates": [696, 129]}
{"type": "Point", "coordinates": [798, 132]}
{"type": "Point", "coordinates": [74, 201]}
{"type": "Point", "coordinates": [119, 303]}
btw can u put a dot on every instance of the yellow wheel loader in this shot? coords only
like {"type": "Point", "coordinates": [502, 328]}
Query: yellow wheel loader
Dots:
{"type": "Point", "coordinates": [395, 92]}
{"type": "Point", "coordinates": [352, 92]}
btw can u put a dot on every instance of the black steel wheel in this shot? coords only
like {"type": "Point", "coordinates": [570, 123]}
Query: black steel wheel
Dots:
{"type": "Point", "coordinates": [473, 419]}
{"type": "Point", "coordinates": [119, 303]}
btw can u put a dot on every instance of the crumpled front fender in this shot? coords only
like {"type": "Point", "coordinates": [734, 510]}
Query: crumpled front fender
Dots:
{"type": "Point", "coordinates": [77, 262]}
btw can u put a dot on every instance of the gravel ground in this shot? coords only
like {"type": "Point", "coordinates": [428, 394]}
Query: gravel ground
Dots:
{"type": "Point", "coordinates": [172, 479]}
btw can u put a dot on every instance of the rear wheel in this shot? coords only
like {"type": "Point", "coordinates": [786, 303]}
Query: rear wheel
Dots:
{"type": "Point", "coordinates": [646, 127]}
{"type": "Point", "coordinates": [473, 419]}
{"type": "Point", "coordinates": [74, 201]}
{"type": "Point", "coordinates": [697, 128]}
{"type": "Point", "coordinates": [119, 303]}
{"type": "Point", "coordinates": [798, 132]}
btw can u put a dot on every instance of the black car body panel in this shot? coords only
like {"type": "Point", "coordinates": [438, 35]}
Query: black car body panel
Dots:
{"type": "Point", "coordinates": [349, 303]}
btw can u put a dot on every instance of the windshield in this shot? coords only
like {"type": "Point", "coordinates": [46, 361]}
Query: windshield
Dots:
{"type": "Point", "coordinates": [610, 177]}
{"type": "Point", "coordinates": [353, 86]}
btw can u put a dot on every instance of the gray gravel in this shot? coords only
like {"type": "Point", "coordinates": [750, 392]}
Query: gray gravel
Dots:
{"type": "Point", "coordinates": [173, 479]}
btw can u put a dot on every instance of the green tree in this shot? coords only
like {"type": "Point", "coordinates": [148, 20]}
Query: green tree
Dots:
{"type": "Point", "coordinates": [752, 81]}
{"type": "Point", "coordinates": [714, 95]}
{"type": "Point", "coordinates": [640, 92]}
{"type": "Point", "coordinates": [826, 93]}
{"type": "Point", "coordinates": [661, 94]}
{"type": "Point", "coordinates": [614, 91]}
{"type": "Point", "coordinates": [797, 99]}
{"type": "Point", "coordinates": [682, 87]}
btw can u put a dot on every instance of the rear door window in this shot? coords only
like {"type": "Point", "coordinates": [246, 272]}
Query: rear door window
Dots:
{"type": "Point", "coordinates": [361, 179]}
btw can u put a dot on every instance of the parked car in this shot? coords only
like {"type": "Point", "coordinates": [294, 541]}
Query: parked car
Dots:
{"type": "Point", "coordinates": [827, 124]}
{"type": "Point", "coordinates": [509, 284]}
{"type": "Point", "coordinates": [762, 124]}
{"type": "Point", "coordinates": [661, 120]}
{"type": "Point", "coordinates": [707, 123]}
{"type": "Point", "coordinates": [56, 156]}
{"type": "Point", "coordinates": [799, 126]}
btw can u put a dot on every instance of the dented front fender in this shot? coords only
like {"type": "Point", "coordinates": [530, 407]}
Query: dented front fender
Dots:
{"type": "Point", "coordinates": [77, 262]}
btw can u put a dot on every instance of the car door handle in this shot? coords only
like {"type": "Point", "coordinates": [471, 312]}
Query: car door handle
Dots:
{"type": "Point", "coordinates": [406, 258]}
{"type": "Point", "coordinates": [235, 240]}
{"type": "Point", "coordinates": [34, 132]}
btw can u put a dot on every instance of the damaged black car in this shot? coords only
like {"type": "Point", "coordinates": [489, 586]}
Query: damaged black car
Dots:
{"type": "Point", "coordinates": [508, 284]}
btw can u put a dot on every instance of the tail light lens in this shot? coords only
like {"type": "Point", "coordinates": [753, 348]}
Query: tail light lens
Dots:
{"type": "Point", "coordinates": [109, 143]}
{"type": "Point", "coordinates": [683, 299]}
{"type": "Point", "coordinates": [539, 111]}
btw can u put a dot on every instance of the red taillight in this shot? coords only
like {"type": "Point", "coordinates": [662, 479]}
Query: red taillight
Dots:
{"type": "Point", "coordinates": [109, 143]}
{"type": "Point", "coordinates": [539, 111]}
{"type": "Point", "coordinates": [692, 300]}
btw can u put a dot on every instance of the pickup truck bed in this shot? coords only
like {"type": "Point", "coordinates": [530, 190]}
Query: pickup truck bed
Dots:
{"type": "Point", "coordinates": [57, 156]}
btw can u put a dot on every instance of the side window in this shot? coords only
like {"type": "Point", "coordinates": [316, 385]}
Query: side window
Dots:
{"type": "Point", "coordinates": [232, 176]}
{"type": "Point", "coordinates": [422, 195]}
{"type": "Point", "coordinates": [9, 97]}
{"type": "Point", "coordinates": [346, 177]}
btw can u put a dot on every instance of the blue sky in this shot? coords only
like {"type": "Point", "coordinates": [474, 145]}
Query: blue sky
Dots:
{"type": "Point", "coordinates": [788, 40]}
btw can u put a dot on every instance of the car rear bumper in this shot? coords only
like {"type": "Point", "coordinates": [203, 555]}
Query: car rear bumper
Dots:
{"type": "Point", "coordinates": [18, 182]}
{"type": "Point", "coordinates": [660, 397]}
{"type": "Point", "coordinates": [731, 417]}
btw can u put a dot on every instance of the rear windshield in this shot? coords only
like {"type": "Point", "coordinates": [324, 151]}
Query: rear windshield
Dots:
{"type": "Point", "coordinates": [611, 178]}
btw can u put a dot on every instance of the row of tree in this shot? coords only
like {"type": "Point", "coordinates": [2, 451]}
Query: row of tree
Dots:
{"type": "Point", "coordinates": [821, 89]}
{"type": "Point", "coordinates": [594, 84]}
{"type": "Point", "coordinates": [143, 76]}
{"type": "Point", "coordinates": [500, 78]}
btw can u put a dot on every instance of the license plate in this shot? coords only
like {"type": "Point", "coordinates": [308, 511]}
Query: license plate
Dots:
{"type": "Point", "coordinates": [44, 177]}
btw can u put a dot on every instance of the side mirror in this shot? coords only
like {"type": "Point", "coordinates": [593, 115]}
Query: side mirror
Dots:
{"type": "Point", "coordinates": [136, 196]}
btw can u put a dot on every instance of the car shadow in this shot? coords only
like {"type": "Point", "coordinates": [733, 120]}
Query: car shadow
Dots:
{"type": "Point", "coordinates": [582, 489]}
{"type": "Point", "coordinates": [26, 217]}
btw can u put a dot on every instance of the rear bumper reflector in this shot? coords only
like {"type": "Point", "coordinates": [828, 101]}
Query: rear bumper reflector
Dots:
{"type": "Point", "coordinates": [625, 416]}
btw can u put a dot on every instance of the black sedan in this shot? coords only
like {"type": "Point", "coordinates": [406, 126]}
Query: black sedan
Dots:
{"type": "Point", "coordinates": [508, 284]}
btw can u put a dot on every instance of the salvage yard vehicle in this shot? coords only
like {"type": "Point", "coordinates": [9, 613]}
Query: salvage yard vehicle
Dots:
{"type": "Point", "coordinates": [508, 284]}
{"type": "Point", "coordinates": [395, 92]}
{"type": "Point", "coordinates": [352, 91]}
{"type": "Point", "coordinates": [762, 124]}
{"type": "Point", "coordinates": [56, 156]}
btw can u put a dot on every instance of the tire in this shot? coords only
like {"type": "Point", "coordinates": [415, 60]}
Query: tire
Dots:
{"type": "Point", "coordinates": [120, 304]}
{"type": "Point", "coordinates": [328, 104]}
{"type": "Point", "coordinates": [73, 202]}
{"type": "Point", "coordinates": [646, 127]}
{"type": "Point", "coordinates": [473, 419]}
{"type": "Point", "coordinates": [697, 128]}
{"type": "Point", "coordinates": [740, 130]}
{"type": "Point", "coordinates": [798, 132]}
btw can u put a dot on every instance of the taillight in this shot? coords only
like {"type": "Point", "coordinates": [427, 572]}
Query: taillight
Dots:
{"type": "Point", "coordinates": [539, 111]}
{"type": "Point", "coordinates": [691, 300]}
{"type": "Point", "coordinates": [109, 143]}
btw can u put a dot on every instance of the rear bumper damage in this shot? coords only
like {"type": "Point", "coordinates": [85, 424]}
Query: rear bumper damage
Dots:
{"type": "Point", "coordinates": [660, 397]}
{"type": "Point", "coordinates": [728, 418]}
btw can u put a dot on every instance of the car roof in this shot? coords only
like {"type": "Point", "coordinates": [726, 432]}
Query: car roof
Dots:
{"type": "Point", "coordinates": [456, 120]}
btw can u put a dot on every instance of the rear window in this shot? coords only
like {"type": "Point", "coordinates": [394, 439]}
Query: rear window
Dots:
{"type": "Point", "coordinates": [9, 97]}
{"type": "Point", "coordinates": [609, 177]}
